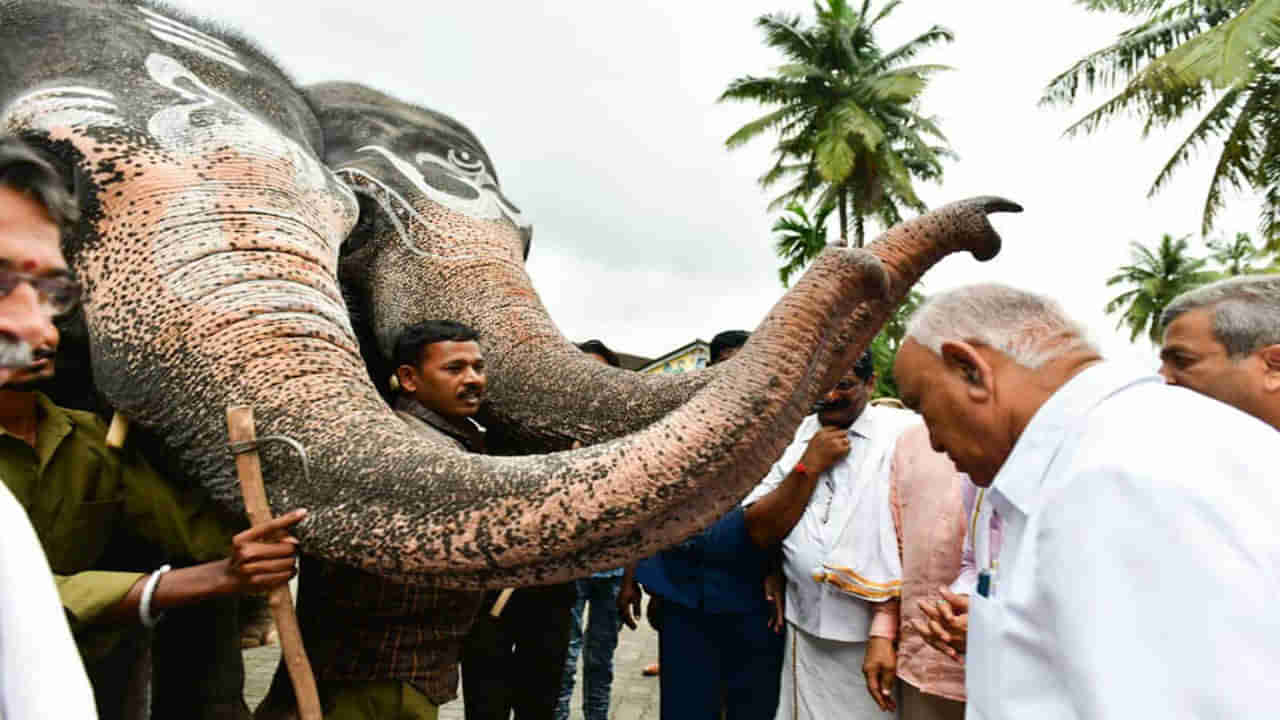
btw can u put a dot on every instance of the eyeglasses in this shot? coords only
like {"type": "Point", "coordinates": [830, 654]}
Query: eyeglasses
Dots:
{"type": "Point", "coordinates": [58, 294]}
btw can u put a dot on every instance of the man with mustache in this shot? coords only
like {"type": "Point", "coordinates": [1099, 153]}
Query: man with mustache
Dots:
{"type": "Point", "coordinates": [513, 661]}
{"type": "Point", "coordinates": [83, 498]}
{"type": "Point", "coordinates": [841, 559]}
{"type": "Point", "coordinates": [383, 649]}
{"type": "Point", "coordinates": [40, 671]}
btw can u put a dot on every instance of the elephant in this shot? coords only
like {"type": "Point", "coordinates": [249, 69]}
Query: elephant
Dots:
{"type": "Point", "coordinates": [209, 249]}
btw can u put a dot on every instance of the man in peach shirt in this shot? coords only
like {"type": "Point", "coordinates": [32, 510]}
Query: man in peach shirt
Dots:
{"type": "Point", "coordinates": [927, 496]}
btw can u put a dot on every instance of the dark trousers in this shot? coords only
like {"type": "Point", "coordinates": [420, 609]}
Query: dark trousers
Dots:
{"type": "Point", "coordinates": [515, 661]}
{"type": "Point", "coordinates": [715, 660]}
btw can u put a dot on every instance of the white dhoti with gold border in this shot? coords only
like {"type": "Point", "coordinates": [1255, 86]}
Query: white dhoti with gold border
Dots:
{"type": "Point", "coordinates": [822, 680]}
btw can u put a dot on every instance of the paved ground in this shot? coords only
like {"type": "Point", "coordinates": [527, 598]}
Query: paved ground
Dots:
{"type": "Point", "coordinates": [634, 697]}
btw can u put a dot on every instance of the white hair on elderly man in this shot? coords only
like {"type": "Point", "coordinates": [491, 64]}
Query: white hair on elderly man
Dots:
{"type": "Point", "coordinates": [1246, 312]}
{"type": "Point", "coordinates": [1030, 329]}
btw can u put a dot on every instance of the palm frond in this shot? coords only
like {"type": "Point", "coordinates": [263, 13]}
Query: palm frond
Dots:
{"type": "Point", "coordinates": [1121, 61]}
{"type": "Point", "coordinates": [783, 33]}
{"type": "Point", "coordinates": [907, 51]}
{"type": "Point", "coordinates": [1130, 7]}
{"type": "Point", "coordinates": [1224, 55]}
{"type": "Point", "coordinates": [1236, 162]}
{"type": "Point", "coordinates": [884, 12]}
{"type": "Point", "coordinates": [1211, 125]}
{"type": "Point", "coordinates": [757, 127]}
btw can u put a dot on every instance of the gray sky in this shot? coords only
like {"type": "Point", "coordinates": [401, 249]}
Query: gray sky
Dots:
{"type": "Point", "coordinates": [602, 122]}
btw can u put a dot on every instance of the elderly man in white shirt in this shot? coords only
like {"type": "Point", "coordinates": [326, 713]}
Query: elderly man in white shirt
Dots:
{"type": "Point", "coordinates": [40, 671]}
{"type": "Point", "coordinates": [1140, 548]}
{"type": "Point", "coordinates": [841, 559]}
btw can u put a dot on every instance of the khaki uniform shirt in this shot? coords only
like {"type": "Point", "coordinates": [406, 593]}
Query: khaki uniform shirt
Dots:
{"type": "Point", "coordinates": [80, 494]}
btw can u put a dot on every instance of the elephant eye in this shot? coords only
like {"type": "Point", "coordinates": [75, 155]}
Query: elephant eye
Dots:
{"type": "Point", "coordinates": [365, 225]}
{"type": "Point", "coordinates": [465, 160]}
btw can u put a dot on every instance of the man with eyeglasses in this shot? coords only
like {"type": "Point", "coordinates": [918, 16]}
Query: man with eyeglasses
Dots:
{"type": "Point", "coordinates": [841, 560]}
{"type": "Point", "coordinates": [82, 497]}
{"type": "Point", "coordinates": [40, 671]}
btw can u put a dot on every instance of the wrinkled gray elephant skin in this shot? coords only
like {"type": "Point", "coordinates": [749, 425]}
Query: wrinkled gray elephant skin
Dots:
{"type": "Point", "coordinates": [209, 253]}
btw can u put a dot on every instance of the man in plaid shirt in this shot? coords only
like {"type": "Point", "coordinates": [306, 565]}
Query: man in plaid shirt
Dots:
{"type": "Point", "coordinates": [382, 649]}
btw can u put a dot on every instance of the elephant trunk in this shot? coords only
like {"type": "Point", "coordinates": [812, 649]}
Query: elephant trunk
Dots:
{"type": "Point", "coordinates": [544, 393]}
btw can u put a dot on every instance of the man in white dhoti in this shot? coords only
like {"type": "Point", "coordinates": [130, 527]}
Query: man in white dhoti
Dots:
{"type": "Point", "coordinates": [1140, 549]}
{"type": "Point", "coordinates": [841, 559]}
{"type": "Point", "coordinates": [1223, 340]}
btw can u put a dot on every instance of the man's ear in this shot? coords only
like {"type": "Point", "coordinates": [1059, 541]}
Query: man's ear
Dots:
{"type": "Point", "coordinates": [1271, 367]}
{"type": "Point", "coordinates": [408, 379]}
{"type": "Point", "coordinates": [964, 360]}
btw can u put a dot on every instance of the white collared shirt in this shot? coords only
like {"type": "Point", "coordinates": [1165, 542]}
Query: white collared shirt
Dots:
{"type": "Point", "coordinates": [1138, 569]}
{"type": "Point", "coordinates": [816, 607]}
{"type": "Point", "coordinates": [41, 675]}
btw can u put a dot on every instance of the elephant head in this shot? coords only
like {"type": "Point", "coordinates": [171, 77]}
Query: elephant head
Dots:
{"type": "Point", "coordinates": [438, 238]}
{"type": "Point", "coordinates": [209, 251]}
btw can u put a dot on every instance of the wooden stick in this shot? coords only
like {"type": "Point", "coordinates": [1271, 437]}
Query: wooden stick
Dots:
{"type": "Point", "coordinates": [501, 602]}
{"type": "Point", "coordinates": [249, 468]}
{"type": "Point", "coordinates": [118, 431]}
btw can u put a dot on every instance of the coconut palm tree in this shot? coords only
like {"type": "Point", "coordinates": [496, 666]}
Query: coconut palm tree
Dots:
{"type": "Point", "coordinates": [1239, 256]}
{"type": "Point", "coordinates": [846, 113]}
{"type": "Point", "coordinates": [1154, 279]}
{"type": "Point", "coordinates": [800, 239]}
{"type": "Point", "coordinates": [1186, 58]}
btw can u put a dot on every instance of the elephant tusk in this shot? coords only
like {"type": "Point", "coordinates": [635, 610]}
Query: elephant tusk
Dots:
{"type": "Point", "coordinates": [119, 430]}
{"type": "Point", "coordinates": [501, 602]}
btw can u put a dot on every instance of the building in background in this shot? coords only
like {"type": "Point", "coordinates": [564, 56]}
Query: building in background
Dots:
{"type": "Point", "coordinates": [691, 356]}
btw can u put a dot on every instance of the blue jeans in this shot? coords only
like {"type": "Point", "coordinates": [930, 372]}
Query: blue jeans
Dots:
{"type": "Point", "coordinates": [601, 641]}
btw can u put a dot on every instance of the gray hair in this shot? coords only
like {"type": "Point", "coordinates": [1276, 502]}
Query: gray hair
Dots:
{"type": "Point", "coordinates": [1031, 329]}
{"type": "Point", "coordinates": [1246, 311]}
{"type": "Point", "coordinates": [24, 170]}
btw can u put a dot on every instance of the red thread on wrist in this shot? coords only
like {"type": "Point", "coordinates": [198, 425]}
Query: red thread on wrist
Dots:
{"type": "Point", "coordinates": [800, 468]}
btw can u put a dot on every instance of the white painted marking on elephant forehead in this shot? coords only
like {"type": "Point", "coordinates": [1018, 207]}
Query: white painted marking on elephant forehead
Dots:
{"type": "Point", "coordinates": [225, 123]}
{"type": "Point", "coordinates": [484, 206]}
{"type": "Point", "coordinates": [176, 33]}
{"type": "Point", "coordinates": [65, 106]}
{"type": "Point", "coordinates": [173, 127]}
{"type": "Point", "coordinates": [350, 206]}
{"type": "Point", "coordinates": [182, 42]}
{"type": "Point", "coordinates": [384, 201]}
{"type": "Point", "coordinates": [172, 24]}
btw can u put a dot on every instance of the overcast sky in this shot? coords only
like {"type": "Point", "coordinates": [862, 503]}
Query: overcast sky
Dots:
{"type": "Point", "coordinates": [602, 120]}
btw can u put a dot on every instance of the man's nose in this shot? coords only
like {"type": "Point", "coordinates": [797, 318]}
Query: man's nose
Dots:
{"type": "Point", "coordinates": [832, 395]}
{"type": "Point", "coordinates": [22, 315]}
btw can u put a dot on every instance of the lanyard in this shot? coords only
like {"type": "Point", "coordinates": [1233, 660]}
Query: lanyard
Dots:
{"type": "Point", "coordinates": [987, 565]}
{"type": "Point", "coordinates": [973, 518]}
